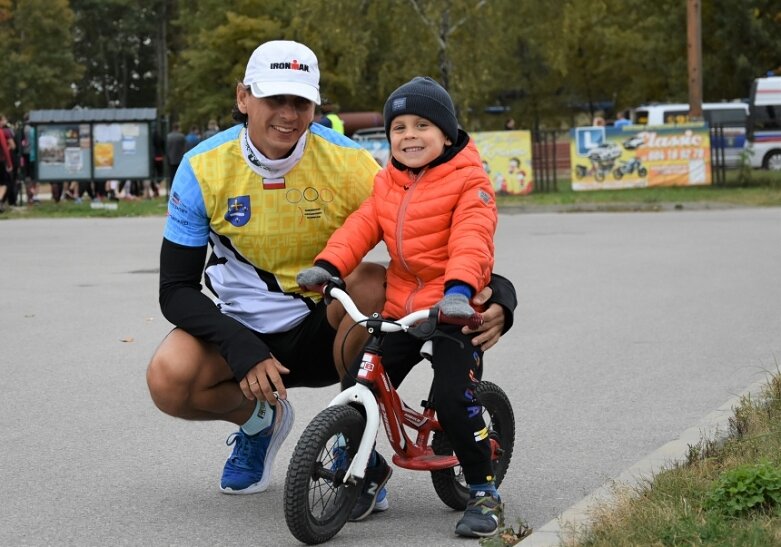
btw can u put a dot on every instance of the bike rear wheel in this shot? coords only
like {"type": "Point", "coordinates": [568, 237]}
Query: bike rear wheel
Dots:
{"type": "Point", "coordinates": [317, 501]}
{"type": "Point", "coordinates": [450, 484]}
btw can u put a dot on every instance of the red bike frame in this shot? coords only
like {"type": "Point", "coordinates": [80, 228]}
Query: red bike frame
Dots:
{"type": "Point", "coordinates": [396, 414]}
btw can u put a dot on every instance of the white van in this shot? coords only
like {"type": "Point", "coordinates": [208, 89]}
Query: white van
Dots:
{"type": "Point", "coordinates": [732, 117]}
{"type": "Point", "coordinates": [732, 114]}
{"type": "Point", "coordinates": [763, 138]}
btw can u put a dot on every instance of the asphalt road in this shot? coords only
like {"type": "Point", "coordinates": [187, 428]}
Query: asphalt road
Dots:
{"type": "Point", "coordinates": [630, 328]}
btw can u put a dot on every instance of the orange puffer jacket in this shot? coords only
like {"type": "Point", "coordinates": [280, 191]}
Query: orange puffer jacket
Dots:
{"type": "Point", "coordinates": [438, 226]}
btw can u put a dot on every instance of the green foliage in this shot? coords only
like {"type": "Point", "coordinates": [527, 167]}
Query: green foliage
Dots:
{"type": "Point", "coordinates": [117, 41]}
{"type": "Point", "coordinates": [745, 488]}
{"type": "Point", "coordinates": [548, 61]}
{"type": "Point", "coordinates": [36, 61]}
{"type": "Point", "coordinates": [217, 39]}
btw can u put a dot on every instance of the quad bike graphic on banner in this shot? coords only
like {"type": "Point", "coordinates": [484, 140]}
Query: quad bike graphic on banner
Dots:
{"type": "Point", "coordinates": [640, 156]}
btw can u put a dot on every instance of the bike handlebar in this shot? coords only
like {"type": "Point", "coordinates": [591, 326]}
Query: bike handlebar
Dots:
{"type": "Point", "coordinates": [332, 290]}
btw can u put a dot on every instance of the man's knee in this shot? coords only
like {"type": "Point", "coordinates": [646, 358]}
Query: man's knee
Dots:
{"type": "Point", "coordinates": [172, 375]}
{"type": "Point", "coordinates": [367, 286]}
{"type": "Point", "coordinates": [166, 389]}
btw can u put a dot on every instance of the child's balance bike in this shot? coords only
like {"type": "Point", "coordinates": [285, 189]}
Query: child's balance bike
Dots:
{"type": "Point", "coordinates": [326, 470]}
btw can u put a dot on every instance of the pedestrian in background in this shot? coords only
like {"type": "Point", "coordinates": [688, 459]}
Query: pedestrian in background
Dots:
{"type": "Point", "coordinates": [175, 145]}
{"type": "Point", "coordinates": [622, 119]}
{"type": "Point", "coordinates": [10, 138]}
{"type": "Point", "coordinates": [211, 130]}
{"type": "Point", "coordinates": [192, 138]}
{"type": "Point", "coordinates": [6, 166]}
{"type": "Point", "coordinates": [28, 161]}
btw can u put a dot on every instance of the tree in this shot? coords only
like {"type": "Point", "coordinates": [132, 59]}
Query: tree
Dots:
{"type": "Point", "coordinates": [752, 30]}
{"type": "Point", "coordinates": [539, 57]}
{"type": "Point", "coordinates": [116, 41]}
{"type": "Point", "coordinates": [217, 39]}
{"type": "Point", "coordinates": [34, 55]}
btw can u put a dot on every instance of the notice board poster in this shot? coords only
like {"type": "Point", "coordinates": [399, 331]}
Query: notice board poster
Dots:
{"type": "Point", "coordinates": [507, 158]}
{"type": "Point", "coordinates": [121, 150]}
{"type": "Point", "coordinates": [64, 152]}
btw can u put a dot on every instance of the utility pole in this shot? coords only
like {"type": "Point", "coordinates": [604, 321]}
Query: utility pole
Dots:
{"type": "Point", "coordinates": [694, 46]}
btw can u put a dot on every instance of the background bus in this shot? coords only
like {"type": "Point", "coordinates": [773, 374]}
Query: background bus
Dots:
{"type": "Point", "coordinates": [732, 117]}
{"type": "Point", "coordinates": [764, 124]}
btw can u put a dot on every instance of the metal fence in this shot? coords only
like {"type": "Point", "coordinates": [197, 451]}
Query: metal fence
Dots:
{"type": "Point", "coordinates": [550, 159]}
{"type": "Point", "coordinates": [718, 162]}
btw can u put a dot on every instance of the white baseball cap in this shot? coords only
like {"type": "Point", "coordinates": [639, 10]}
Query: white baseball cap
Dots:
{"type": "Point", "coordinates": [283, 67]}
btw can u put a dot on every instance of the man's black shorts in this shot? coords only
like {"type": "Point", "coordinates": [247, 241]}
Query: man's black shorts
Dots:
{"type": "Point", "coordinates": [307, 350]}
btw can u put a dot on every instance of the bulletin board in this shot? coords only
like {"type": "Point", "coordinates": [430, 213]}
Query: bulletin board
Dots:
{"type": "Point", "coordinates": [64, 152]}
{"type": "Point", "coordinates": [121, 150]}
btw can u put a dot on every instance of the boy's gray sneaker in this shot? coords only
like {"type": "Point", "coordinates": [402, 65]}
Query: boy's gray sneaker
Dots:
{"type": "Point", "coordinates": [373, 495]}
{"type": "Point", "coordinates": [482, 516]}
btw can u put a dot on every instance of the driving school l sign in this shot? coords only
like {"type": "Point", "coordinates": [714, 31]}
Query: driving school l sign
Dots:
{"type": "Point", "coordinates": [640, 156]}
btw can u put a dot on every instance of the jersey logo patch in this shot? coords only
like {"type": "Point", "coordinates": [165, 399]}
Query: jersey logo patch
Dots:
{"type": "Point", "coordinates": [239, 211]}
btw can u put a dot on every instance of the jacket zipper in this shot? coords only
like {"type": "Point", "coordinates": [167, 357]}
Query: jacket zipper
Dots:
{"type": "Point", "coordinates": [399, 231]}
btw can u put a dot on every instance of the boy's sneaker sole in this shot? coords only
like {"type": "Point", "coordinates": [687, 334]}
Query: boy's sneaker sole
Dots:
{"type": "Point", "coordinates": [465, 531]}
{"type": "Point", "coordinates": [381, 505]}
{"type": "Point", "coordinates": [282, 426]}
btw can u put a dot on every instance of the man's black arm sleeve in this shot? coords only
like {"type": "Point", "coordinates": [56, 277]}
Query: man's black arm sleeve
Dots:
{"type": "Point", "coordinates": [504, 295]}
{"type": "Point", "coordinates": [184, 305]}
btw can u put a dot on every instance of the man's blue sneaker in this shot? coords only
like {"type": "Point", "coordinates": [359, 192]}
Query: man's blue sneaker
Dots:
{"type": "Point", "coordinates": [248, 469]}
{"type": "Point", "coordinates": [373, 496]}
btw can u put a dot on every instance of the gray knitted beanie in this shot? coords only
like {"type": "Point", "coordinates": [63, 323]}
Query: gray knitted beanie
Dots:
{"type": "Point", "coordinates": [423, 97]}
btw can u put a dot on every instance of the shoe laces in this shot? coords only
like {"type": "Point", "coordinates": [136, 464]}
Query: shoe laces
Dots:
{"type": "Point", "coordinates": [483, 505]}
{"type": "Point", "coordinates": [244, 449]}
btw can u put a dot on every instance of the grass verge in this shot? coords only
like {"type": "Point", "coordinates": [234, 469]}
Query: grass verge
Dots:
{"type": "Point", "coordinates": [70, 209]}
{"type": "Point", "coordinates": [725, 494]}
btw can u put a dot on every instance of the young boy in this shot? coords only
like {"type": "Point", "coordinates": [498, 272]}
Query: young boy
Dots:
{"type": "Point", "coordinates": [434, 207]}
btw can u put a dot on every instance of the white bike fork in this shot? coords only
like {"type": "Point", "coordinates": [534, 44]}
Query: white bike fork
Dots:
{"type": "Point", "coordinates": [361, 395]}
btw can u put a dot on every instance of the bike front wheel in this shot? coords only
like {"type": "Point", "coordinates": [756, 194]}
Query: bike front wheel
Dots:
{"type": "Point", "coordinates": [317, 500]}
{"type": "Point", "coordinates": [450, 485]}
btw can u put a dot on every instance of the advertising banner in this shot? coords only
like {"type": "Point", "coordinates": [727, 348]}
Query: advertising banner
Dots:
{"type": "Point", "coordinates": [507, 158]}
{"type": "Point", "coordinates": [634, 156]}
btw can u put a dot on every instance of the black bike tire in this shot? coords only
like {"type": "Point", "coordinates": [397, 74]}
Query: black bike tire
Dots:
{"type": "Point", "coordinates": [449, 488]}
{"type": "Point", "coordinates": [303, 524]}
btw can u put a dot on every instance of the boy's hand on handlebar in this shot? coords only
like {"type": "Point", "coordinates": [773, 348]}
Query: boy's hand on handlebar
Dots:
{"type": "Point", "coordinates": [493, 322]}
{"type": "Point", "coordinates": [312, 278]}
{"type": "Point", "coordinates": [456, 305]}
{"type": "Point", "coordinates": [263, 380]}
